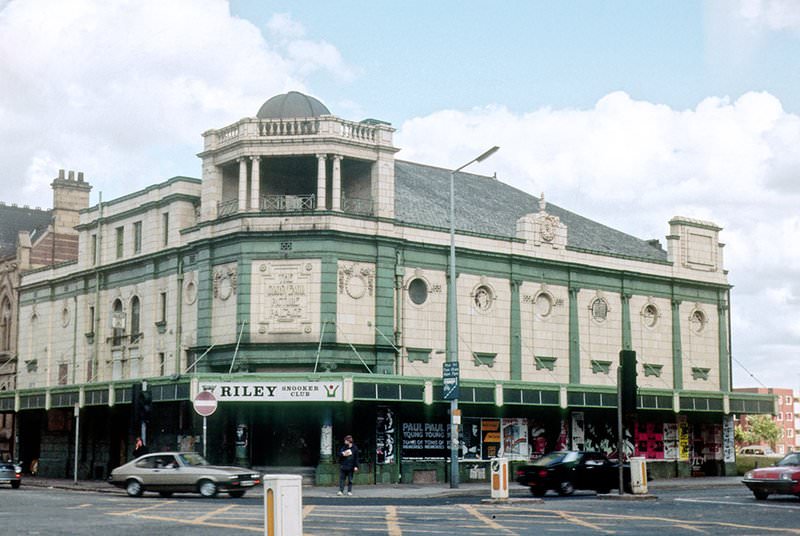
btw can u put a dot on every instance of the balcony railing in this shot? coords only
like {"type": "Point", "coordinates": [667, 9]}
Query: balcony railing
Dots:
{"type": "Point", "coordinates": [287, 203]}
{"type": "Point", "coordinates": [226, 208]}
{"type": "Point", "coordinates": [327, 126]}
{"type": "Point", "coordinates": [357, 205]}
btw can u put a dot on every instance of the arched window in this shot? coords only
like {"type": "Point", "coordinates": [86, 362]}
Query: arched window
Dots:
{"type": "Point", "coordinates": [117, 323]}
{"type": "Point", "coordinates": [135, 314]}
{"type": "Point", "coordinates": [5, 325]}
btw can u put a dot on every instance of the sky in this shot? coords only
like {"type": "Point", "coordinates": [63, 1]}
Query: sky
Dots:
{"type": "Point", "coordinates": [627, 112]}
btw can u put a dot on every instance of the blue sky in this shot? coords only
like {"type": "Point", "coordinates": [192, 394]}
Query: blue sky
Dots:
{"type": "Point", "coordinates": [627, 112]}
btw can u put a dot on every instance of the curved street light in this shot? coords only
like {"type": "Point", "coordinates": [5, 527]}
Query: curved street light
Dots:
{"type": "Point", "coordinates": [452, 323]}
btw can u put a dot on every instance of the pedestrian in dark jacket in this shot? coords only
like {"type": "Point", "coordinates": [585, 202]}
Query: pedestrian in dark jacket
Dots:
{"type": "Point", "coordinates": [348, 464]}
{"type": "Point", "coordinates": [139, 449]}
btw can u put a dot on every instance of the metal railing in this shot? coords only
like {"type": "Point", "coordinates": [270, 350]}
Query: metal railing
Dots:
{"type": "Point", "coordinates": [287, 203]}
{"type": "Point", "coordinates": [226, 208]}
{"type": "Point", "coordinates": [357, 205]}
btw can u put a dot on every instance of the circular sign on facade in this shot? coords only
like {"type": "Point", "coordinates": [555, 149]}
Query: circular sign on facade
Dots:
{"type": "Point", "coordinates": [205, 403]}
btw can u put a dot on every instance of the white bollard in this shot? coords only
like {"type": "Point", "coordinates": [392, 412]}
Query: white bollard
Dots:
{"type": "Point", "coordinates": [639, 475]}
{"type": "Point", "coordinates": [499, 478]}
{"type": "Point", "coordinates": [283, 505]}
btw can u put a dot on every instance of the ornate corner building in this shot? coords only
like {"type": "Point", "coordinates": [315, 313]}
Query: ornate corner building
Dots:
{"type": "Point", "coordinates": [303, 282]}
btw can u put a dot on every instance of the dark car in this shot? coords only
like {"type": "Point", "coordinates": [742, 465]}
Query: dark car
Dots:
{"type": "Point", "coordinates": [783, 478]}
{"type": "Point", "coordinates": [171, 472]}
{"type": "Point", "coordinates": [10, 473]}
{"type": "Point", "coordinates": [566, 471]}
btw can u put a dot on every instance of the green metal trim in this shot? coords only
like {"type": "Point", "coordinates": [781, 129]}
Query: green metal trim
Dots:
{"type": "Point", "coordinates": [677, 351]}
{"type": "Point", "coordinates": [724, 358]}
{"type": "Point", "coordinates": [515, 332]}
{"type": "Point", "coordinates": [574, 338]}
{"type": "Point", "coordinates": [627, 342]}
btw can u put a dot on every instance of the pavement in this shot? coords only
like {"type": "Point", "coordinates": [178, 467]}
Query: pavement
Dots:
{"type": "Point", "coordinates": [393, 491]}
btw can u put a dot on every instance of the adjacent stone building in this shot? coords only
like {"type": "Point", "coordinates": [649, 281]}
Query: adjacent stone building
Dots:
{"type": "Point", "coordinates": [32, 238]}
{"type": "Point", "coordinates": [303, 282]}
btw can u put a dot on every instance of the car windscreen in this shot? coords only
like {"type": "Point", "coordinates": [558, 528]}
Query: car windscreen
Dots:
{"type": "Point", "coordinates": [192, 459]}
{"type": "Point", "coordinates": [553, 457]}
{"type": "Point", "coordinates": [791, 459]}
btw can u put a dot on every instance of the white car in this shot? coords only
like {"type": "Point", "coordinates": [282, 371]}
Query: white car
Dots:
{"type": "Point", "coordinates": [188, 472]}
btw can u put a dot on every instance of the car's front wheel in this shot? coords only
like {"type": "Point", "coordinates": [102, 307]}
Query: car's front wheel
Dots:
{"type": "Point", "coordinates": [566, 488]}
{"type": "Point", "coordinates": [761, 495]}
{"type": "Point", "coordinates": [238, 494]}
{"type": "Point", "coordinates": [207, 488]}
{"type": "Point", "coordinates": [16, 484]}
{"type": "Point", "coordinates": [133, 488]}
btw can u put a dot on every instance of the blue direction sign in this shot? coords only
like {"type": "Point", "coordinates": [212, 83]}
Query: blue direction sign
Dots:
{"type": "Point", "coordinates": [450, 380]}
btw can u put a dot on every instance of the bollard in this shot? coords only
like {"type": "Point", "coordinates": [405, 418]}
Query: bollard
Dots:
{"type": "Point", "coordinates": [499, 478]}
{"type": "Point", "coordinates": [639, 475]}
{"type": "Point", "coordinates": [283, 505]}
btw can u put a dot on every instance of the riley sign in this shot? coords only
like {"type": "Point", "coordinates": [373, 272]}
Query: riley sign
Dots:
{"type": "Point", "coordinates": [275, 391]}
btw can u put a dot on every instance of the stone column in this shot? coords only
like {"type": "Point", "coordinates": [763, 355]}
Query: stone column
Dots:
{"type": "Point", "coordinates": [255, 184]}
{"type": "Point", "coordinates": [321, 179]}
{"type": "Point", "coordinates": [336, 186]}
{"type": "Point", "coordinates": [242, 185]}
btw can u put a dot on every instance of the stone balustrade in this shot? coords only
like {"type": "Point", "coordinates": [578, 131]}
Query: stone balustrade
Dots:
{"type": "Point", "coordinates": [328, 126]}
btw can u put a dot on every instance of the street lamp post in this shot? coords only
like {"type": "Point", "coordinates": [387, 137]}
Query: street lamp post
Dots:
{"type": "Point", "coordinates": [452, 323]}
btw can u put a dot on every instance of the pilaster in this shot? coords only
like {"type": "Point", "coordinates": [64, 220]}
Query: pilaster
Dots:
{"type": "Point", "coordinates": [514, 333]}
{"type": "Point", "coordinates": [677, 351]}
{"type": "Point", "coordinates": [574, 338]}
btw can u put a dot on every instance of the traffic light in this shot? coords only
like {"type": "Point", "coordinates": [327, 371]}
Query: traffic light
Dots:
{"type": "Point", "coordinates": [627, 360]}
{"type": "Point", "coordinates": [142, 403]}
{"type": "Point", "coordinates": [145, 403]}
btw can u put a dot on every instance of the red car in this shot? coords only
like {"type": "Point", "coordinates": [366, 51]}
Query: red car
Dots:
{"type": "Point", "coordinates": [783, 478]}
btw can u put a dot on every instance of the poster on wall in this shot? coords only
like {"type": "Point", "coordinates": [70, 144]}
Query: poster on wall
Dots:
{"type": "Point", "coordinates": [649, 440]}
{"type": "Point", "coordinates": [384, 435]}
{"type": "Point", "coordinates": [670, 441]}
{"type": "Point", "coordinates": [683, 438]}
{"type": "Point", "coordinates": [562, 443]}
{"type": "Point", "coordinates": [538, 440]}
{"type": "Point", "coordinates": [578, 430]}
{"type": "Point", "coordinates": [490, 429]}
{"type": "Point", "coordinates": [515, 439]}
{"type": "Point", "coordinates": [424, 440]}
{"type": "Point", "coordinates": [727, 439]}
{"type": "Point", "coordinates": [471, 438]}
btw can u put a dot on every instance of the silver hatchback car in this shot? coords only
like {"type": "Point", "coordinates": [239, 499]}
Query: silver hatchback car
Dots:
{"type": "Point", "coordinates": [187, 472]}
{"type": "Point", "coordinates": [10, 473]}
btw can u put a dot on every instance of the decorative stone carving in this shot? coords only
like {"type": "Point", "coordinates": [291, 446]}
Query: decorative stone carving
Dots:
{"type": "Point", "coordinates": [225, 282]}
{"type": "Point", "coordinates": [285, 289]}
{"type": "Point", "coordinates": [356, 281]}
{"type": "Point", "coordinates": [482, 298]}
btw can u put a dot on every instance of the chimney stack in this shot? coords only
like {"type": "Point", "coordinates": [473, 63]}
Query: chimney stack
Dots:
{"type": "Point", "coordinates": [69, 198]}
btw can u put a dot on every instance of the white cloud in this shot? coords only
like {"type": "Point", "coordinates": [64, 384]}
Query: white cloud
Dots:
{"type": "Point", "coordinates": [771, 14]}
{"type": "Point", "coordinates": [118, 89]}
{"type": "Point", "coordinates": [635, 164]}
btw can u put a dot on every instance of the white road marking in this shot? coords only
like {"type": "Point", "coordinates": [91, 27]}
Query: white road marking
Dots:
{"type": "Point", "coordinates": [741, 503]}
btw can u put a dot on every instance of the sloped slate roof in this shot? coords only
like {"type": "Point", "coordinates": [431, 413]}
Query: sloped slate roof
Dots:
{"type": "Point", "coordinates": [14, 219]}
{"type": "Point", "coordinates": [487, 206]}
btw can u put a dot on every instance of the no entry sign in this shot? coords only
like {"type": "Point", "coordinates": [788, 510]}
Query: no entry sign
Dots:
{"type": "Point", "coordinates": [205, 403]}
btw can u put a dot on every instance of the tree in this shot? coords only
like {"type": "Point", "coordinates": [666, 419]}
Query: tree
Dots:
{"type": "Point", "coordinates": [760, 429]}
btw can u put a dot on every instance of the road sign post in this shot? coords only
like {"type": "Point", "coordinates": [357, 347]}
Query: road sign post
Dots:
{"type": "Point", "coordinates": [450, 390]}
{"type": "Point", "coordinates": [205, 404]}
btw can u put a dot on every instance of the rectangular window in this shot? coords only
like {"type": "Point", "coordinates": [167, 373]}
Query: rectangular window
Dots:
{"type": "Point", "coordinates": [779, 416]}
{"type": "Point", "coordinates": [789, 416]}
{"type": "Point", "coordinates": [165, 228]}
{"type": "Point", "coordinates": [162, 307]}
{"type": "Point", "coordinates": [137, 237]}
{"type": "Point", "coordinates": [788, 399]}
{"type": "Point", "coordinates": [789, 433]}
{"type": "Point", "coordinates": [120, 241]}
{"type": "Point", "coordinates": [94, 249]}
{"type": "Point", "coordinates": [63, 373]}
{"type": "Point", "coordinates": [161, 360]}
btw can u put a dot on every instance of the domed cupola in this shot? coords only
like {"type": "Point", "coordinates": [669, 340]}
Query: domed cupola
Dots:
{"type": "Point", "coordinates": [292, 105]}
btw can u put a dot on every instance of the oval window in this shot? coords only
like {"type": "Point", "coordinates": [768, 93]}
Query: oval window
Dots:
{"type": "Point", "coordinates": [599, 309]}
{"type": "Point", "coordinates": [418, 291]}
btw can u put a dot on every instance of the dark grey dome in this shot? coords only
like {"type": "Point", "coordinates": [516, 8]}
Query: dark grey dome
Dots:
{"type": "Point", "coordinates": [292, 105]}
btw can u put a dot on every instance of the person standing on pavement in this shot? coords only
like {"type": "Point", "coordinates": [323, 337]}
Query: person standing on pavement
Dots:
{"type": "Point", "coordinates": [348, 464]}
{"type": "Point", "coordinates": [139, 449]}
